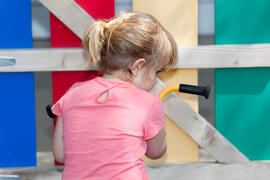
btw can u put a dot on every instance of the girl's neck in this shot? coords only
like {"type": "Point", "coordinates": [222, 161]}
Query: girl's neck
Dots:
{"type": "Point", "coordinates": [116, 76]}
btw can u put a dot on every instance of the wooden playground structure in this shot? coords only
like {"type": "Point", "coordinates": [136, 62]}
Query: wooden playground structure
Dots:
{"type": "Point", "coordinates": [229, 163]}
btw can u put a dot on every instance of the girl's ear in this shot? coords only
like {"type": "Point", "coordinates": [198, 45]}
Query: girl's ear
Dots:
{"type": "Point", "coordinates": [137, 66]}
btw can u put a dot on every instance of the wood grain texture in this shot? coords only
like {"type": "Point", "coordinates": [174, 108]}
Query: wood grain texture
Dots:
{"type": "Point", "coordinates": [184, 171]}
{"type": "Point", "coordinates": [70, 13]}
{"type": "Point", "coordinates": [30, 60]}
{"type": "Point", "coordinates": [198, 128]}
{"type": "Point", "coordinates": [224, 56]}
{"type": "Point", "coordinates": [210, 171]}
{"type": "Point", "coordinates": [69, 59]}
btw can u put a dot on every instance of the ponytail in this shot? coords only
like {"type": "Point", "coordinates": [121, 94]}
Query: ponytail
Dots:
{"type": "Point", "coordinates": [94, 40]}
{"type": "Point", "coordinates": [132, 35]}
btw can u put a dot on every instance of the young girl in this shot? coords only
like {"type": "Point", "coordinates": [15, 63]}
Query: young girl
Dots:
{"type": "Point", "coordinates": [107, 124]}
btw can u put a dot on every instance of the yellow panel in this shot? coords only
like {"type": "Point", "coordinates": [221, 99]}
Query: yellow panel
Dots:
{"type": "Point", "coordinates": [179, 17]}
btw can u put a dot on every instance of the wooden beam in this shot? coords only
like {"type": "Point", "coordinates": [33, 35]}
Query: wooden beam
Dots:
{"type": "Point", "coordinates": [183, 171]}
{"type": "Point", "coordinates": [31, 60]}
{"type": "Point", "coordinates": [210, 171]}
{"type": "Point", "coordinates": [72, 59]}
{"type": "Point", "coordinates": [224, 56]}
{"type": "Point", "coordinates": [198, 128]}
{"type": "Point", "coordinates": [70, 13]}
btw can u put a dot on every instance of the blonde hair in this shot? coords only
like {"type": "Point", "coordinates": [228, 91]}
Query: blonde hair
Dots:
{"type": "Point", "coordinates": [131, 35]}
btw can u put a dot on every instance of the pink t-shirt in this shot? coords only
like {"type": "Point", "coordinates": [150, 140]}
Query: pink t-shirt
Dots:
{"type": "Point", "coordinates": [106, 140]}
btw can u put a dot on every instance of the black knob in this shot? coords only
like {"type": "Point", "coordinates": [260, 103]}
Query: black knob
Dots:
{"type": "Point", "coordinates": [198, 90]}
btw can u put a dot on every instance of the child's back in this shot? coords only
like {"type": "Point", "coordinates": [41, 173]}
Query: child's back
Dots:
{"type": "Point", "coordinates": [107, 139]}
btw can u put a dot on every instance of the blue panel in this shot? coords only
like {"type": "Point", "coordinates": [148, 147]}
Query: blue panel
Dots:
{"type": "Point", "coordinates": [17, 93]}
{"type": "Point", "coordinates": [16, 27]}
{"type": "Point", "coordinates": [17, 130]}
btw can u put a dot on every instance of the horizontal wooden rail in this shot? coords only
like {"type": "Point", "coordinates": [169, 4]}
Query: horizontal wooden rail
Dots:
{"type": "Point", "coordinates": [224, 56]}
{"type": "Point", "coordinates": [183, 171]}
{"type": "Point", "coordinates": [72, 59]}
{"type": "Point", "coordinates": [51, 59]}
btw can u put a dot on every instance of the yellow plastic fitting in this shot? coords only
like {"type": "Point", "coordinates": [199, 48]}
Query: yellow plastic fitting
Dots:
{"type": "Point", "coordinates": [167, 90]}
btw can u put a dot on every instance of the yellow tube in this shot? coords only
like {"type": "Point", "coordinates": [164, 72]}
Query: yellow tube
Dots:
{"type": "Point", "coordinates": [167, 90]}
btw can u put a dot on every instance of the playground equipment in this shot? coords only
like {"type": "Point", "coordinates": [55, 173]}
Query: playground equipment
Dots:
{"type": "Point", "coordinates": [230, 162]}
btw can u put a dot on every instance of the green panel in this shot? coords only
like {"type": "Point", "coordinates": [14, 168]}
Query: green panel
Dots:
{"type": "Point", "coordinates": [242, 96]}
{"type": "Point", "coordinates": [242, 21]}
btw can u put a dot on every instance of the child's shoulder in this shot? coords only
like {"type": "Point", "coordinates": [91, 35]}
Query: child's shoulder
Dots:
{"type": "Point", "coordinates": [81, 86]}
{"type": "Point", "coordinates": [142, 96]}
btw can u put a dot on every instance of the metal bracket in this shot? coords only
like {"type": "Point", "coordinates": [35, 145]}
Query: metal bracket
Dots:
{"type": "Point", "coordinates": [7, 61]}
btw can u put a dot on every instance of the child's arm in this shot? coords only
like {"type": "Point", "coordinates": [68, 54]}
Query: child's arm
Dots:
{"type": "Point", "coordinates": [58, 147]}
{"type": "Point", "coordinates": [156, 146]}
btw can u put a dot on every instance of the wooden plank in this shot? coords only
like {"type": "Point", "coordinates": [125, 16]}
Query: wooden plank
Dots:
{"type": "Point", "coordinates": [69, 12]}
{"type": "Point", "coordinates": [31, 60]}
{"type": "Point", "coordinates": [183, 171]}
{"type": "Point", "coordinates": [73, 59]}
{"type": "Point", "coordinates": [224, 56]}
{"type": "Point", "coordinates": [17, 90]}
{"type": "Point", "coordinates": [210, 171]}
{"type": "Point", "coordinates": [198, 128]}
{"type": "Point", "coordinates": [185, 32]}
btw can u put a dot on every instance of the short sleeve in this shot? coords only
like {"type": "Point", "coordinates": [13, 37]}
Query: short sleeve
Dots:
{"type": "Point", "coordinates": [155, 121]}
{"type": "Point", "coordinates": [57, 107]}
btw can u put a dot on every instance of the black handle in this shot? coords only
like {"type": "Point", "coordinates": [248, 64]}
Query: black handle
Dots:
{"type": "Point", "coordinates": [49, 111]}
{"type": "Point", "coordinates": [198, 90]}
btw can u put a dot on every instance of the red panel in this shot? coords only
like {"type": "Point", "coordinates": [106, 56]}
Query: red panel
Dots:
{"type": "Point", "coordinates": [61, 36]}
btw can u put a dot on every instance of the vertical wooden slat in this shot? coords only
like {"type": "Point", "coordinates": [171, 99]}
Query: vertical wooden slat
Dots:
{"type": "Point", "coordinates": [17, 93]}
